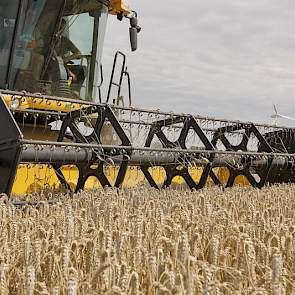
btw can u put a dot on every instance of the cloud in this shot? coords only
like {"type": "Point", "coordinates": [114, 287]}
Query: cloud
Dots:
{"type": "Point", "coordinates": [229, 58]}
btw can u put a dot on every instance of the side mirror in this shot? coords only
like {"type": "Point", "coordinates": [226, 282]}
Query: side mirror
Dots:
{"type": "Point", "coordinates": [133, 38]}
{"type": "Point", "coordinates": [133, 31]}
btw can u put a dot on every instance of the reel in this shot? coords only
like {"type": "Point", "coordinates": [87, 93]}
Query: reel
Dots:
{"type": "Point", "coordinates": [60, 143]}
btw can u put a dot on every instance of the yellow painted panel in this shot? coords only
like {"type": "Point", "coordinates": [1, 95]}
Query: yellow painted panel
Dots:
{"type": "Point", "coordinates": [119, 6]}
{"type": "Point", "coordinates": [27, 102]}
{"type": "Point", "coordinates": [34, 178]}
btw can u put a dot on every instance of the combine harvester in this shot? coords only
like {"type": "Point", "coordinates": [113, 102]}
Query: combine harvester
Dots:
{"type": "Point", "coordinates": [58, 133]}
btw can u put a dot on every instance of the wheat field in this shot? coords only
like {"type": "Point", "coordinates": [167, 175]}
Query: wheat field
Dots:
{"type": "Point", "coordinates": [144, 241]}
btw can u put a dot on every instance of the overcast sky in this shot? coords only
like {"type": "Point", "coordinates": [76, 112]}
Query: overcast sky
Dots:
{"type": "Point", "coordinates": [224, 58]}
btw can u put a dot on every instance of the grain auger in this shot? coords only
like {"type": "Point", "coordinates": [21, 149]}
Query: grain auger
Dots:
{"type": "Point", "coordinates": [58, 134]}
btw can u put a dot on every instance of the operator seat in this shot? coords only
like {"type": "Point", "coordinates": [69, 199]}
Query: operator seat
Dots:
{"type": "Point", "coordinates": [80, 72]}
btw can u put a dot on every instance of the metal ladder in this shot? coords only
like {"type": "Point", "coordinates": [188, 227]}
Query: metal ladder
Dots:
{"type": "Point", "coordinates": [123, 73]}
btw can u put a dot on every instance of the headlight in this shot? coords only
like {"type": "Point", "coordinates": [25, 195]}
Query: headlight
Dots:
{"type": "Point", "coordinates": [15, 103]}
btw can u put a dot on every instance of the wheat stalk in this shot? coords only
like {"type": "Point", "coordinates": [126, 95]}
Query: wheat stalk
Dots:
{"type": "Point", "coordinates": [143, 241]}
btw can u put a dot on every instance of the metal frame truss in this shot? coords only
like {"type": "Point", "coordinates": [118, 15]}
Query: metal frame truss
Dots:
{"type": "Point", "coordinates": [181, 168]}
{"type": "Point", "coordinates": [248, 129]}
{"type": "Point", "coordinates": [99, 115]}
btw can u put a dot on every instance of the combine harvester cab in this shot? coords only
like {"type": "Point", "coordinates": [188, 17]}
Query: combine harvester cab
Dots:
{"type": "Point", "coordinates": [56, 133]}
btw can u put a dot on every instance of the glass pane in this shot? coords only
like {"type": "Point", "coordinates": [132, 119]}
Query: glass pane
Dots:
{"type": "Point", "coordinates": [37, 23]}
{"type": "Point", "coordinates": [8, 13]}
{"type": "Point", "coordinates": [58, 56]}
{"type": "Point", "coordinates": [80, 32]}
{"type": "Point", "coordinates": [101, 34]}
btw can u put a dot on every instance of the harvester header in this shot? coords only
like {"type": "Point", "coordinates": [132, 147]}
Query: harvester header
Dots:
{"type": "Point", "coordinates": [117, 146]}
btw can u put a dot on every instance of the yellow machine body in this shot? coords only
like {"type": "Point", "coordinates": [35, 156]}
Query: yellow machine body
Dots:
{"type": "Point", "coordinates": [27, 102]}
{"type": "Point", "coordinates": [119, 6]}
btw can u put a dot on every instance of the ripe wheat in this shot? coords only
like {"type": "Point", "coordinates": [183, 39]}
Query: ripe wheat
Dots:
{"type": "Point", "coordinates": [143, 241]}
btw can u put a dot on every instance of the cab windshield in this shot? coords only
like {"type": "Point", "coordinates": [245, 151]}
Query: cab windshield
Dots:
{"type": "Point", "coordinates": [52, 47]}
